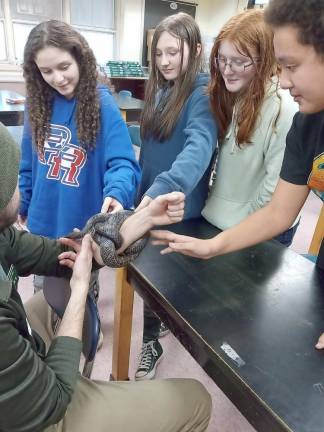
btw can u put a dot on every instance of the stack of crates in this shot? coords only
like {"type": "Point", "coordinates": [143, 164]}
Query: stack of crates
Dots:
{"type": "Point", "coordinates": [123, 69]}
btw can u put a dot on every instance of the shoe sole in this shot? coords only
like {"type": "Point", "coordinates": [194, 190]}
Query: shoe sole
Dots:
{"type": "Point", "coordinates": [164, 333]}
{"type": "Point", "coordinates": [151, 374]}
{"type": "Point", "coordinates": [100, 341]}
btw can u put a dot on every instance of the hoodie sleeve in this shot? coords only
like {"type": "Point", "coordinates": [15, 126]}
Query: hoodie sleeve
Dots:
{"type": "Point", "coordinates": [274, 149]}
{"type": "Point", "coordinates": [34, 254]}
{"type": "Point", "coordinates": [39, 387]}
{"type": "Point", "coordinates": [200, 142]}
{"type": "Point", "coordinates": [122, 174]}
{"type": "Point", "coordinates": [25, 169]}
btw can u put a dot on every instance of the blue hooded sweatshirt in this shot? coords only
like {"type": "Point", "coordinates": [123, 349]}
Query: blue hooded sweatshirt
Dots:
{"type": "Point", "coordinates": [62, 190]}
{"type": "Point", "coordinates": [183, 161]}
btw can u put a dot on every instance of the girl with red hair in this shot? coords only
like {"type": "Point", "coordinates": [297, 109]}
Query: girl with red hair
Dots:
{"type": "Point", "coordinates": [253, 115]}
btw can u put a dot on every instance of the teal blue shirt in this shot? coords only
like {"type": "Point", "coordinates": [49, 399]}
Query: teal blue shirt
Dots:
{"type": "Point", "coordinates": [182, 162]}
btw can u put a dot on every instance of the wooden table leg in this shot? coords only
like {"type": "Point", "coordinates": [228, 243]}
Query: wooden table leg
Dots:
{"type": "Point", "coordinates": [123, 315]}
{"type": "Point", "coordinates": [318, 234]}
{"type": "Point", "coordinates": [124, 114]}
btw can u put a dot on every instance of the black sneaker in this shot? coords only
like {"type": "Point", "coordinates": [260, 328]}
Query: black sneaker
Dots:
{"type": "Point", "coordinates": [164, 330]}
{"type": "Point", "coordinates": [149, 358]}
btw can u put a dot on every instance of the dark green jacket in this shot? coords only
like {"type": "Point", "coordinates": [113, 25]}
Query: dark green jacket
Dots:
{"type": "Point", "coordinates": [35, 387]}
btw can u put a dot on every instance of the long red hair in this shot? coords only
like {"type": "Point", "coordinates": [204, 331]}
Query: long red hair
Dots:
{"type": "Point", "coordinates": [249, 33]}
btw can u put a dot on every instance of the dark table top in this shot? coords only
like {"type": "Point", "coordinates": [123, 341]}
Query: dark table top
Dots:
{"type": "Point", "coordinates": [251, 319]}
{"type": "Point", "coordinates": [126, 103]}
{"type": "Point", "coordinates": [5, 106]}
{"type": "Point", "coordinates": [11, 114]}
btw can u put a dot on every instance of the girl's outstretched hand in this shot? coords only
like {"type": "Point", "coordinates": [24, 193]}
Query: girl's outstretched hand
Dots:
{"type": "Point", "coordinates": [320, 342]}
{"type": "Point", "coordinates": [186, 245]}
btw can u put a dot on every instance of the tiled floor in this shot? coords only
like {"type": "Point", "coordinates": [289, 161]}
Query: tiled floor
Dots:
{"type": "Point", "coordinates": [177, 362]}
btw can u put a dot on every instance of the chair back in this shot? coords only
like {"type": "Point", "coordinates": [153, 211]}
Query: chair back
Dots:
{"type": "Point", "coordinates": [57, 293]}
{"type": "Point", "coordinates": [91, 329]}
{"type": "Point", "coordinates": [135, 134]}
{"type": "Point", "coordinates": [125, 93]}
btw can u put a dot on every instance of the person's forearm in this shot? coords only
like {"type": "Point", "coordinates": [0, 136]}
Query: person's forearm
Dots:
{"type": "Point", "coordinates": [72, 321]}
{"type": "Point", "coordinates": [265, 223]}
{"type": "Point", "coordinates": [258, 227]}
{"type": "Point", "coordinates": [135, 227]}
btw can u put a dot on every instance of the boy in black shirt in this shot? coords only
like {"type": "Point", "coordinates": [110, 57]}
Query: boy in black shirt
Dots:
{"type": "Point", "coordinates": [299, 47]}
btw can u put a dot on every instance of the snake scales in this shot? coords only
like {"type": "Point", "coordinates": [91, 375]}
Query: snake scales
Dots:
{"type": "Point", "coordinates": [104, 229]}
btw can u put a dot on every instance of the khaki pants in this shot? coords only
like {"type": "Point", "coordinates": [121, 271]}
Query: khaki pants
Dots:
{"type": "Point", "coordinates": [177, 405]}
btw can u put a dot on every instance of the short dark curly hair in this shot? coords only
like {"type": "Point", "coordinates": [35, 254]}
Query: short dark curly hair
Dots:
{"type": "Point", "coordinates": [306, 15]}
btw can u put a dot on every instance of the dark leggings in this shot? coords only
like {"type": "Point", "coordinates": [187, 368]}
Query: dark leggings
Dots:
{"type": "Point", "coordinates": [151, 325]}
{"type": "Point", "coordinates": [287, 237]}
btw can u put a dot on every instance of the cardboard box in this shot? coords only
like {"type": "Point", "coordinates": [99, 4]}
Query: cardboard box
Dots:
{"type": "Point", "coordinates": [149, 38]}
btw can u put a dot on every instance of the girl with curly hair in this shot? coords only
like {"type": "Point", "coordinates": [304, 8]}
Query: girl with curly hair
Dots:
{"type": "Point", "coordinates": [254, 116]}
{"type": "Point", "coordinates": [77, 157]}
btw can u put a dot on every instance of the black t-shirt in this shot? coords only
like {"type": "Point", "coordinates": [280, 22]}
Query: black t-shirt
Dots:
{"type": "Point", "coordinates": [303, 162]}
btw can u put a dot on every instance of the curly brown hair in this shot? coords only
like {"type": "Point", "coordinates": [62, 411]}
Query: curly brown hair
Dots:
{"type": "Point", "coordinates": [160, 120]}
{"type": "Point", "coordinates": [306, 15]}
{"type": "Point", "coordinates": [40, 95]}
{"type": "Point", "coordinates": [248, 32]}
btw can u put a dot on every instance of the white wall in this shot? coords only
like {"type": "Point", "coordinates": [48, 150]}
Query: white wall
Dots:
{"type": "Point", "coordinates": [211, 15]}
{"type": "Point", "coordinates": [130, 22]}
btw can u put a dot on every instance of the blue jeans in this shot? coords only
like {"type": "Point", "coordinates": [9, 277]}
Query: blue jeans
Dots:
{"type": "Point", "coordinates": [287, 237]}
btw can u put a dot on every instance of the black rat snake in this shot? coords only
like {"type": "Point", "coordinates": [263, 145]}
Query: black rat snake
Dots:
{"type": "Point", "coordinates": [104, 229]}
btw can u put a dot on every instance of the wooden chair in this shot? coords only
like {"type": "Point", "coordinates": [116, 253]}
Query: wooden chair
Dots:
{"type": "Point", "coordinates": [318, 234]}
{"type": "Point", "coordinates": [123, 318]}
{"type": "Point", "coordinates": [135, 134]}
{"type": "Point", "coordinates": [125, 93]}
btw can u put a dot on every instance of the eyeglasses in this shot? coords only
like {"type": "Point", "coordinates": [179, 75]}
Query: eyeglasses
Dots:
{"type": "Point", "coordinates": [235, 65]}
